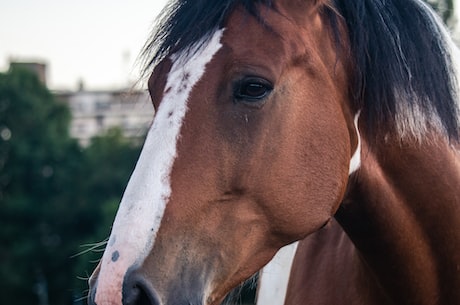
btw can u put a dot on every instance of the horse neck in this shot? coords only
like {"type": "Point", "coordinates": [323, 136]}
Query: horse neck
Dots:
{"type": "Point", "coordinates": [402, 212]}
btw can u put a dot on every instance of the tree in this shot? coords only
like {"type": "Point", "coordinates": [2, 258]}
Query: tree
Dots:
{"type": "Point", "coordinates": [34, 146]}
{"type": "Point", "coordinates": [445, 9]}
{"type": "Point", "coordinates": [109, 161]}
{"type": "Point", "coordinates": [54, 195]}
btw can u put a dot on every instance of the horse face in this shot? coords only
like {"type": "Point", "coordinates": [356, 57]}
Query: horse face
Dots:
{"type": "Point", "coordinates": [249, 151]}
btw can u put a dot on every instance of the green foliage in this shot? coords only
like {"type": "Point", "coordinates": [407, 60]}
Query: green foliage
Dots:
{"type": "Point", "coordinates": [54, 195]}
{"type": "Point", "coordinates": [110, 159]}
{"type": "Point", "coordinates": [445, 8]}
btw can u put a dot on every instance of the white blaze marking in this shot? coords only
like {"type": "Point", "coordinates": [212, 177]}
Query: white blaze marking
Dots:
{"type": "Point", "coordinates": [355, 161]}
{"type": "Point", "coordinates": [274, 277]}
{"type": "Point", "coordinates": [144, 201]}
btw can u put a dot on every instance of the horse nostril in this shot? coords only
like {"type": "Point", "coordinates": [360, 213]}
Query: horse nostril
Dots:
{"type": "Point", "coordinates": [132, 294]}
{"type": "Point", "coordinates": [137, 291]}
{"type": "Point", "coordinates": [92, 293]}
{"type": "Point", "coordinates": [91, 297]}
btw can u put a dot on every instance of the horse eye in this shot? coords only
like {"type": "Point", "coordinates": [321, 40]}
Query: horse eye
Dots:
{"type": "Point", "coordinates": [252, 89]}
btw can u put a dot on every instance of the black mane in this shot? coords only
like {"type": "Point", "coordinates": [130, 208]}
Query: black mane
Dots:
{"type": "Point", "coordinates": [403, 64]}
{"type": "Point", "coordinates": [185, 22]}
{"type": "Point", "coordinates": [404, 73]}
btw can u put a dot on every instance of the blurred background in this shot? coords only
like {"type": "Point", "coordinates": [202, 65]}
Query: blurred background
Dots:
{"type": "Point", "coordinates": [72, 122]}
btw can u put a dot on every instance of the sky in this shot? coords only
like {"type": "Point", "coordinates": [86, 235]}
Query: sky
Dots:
{"type": "Point", "coordinates": [96, 41]}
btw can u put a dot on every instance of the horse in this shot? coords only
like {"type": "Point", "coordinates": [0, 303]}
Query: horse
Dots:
{"type": "Point", "coordinates": [328, 129]}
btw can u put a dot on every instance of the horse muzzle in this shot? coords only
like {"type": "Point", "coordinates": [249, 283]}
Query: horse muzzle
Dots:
{"type": "Point", "coordinates": [136, 290]}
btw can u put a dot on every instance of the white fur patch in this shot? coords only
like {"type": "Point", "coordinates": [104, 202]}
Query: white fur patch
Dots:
{"type": "Point", "coordinates": [355, 161]}
{"type": "Point", "coordinates": [146, 196]}
{"type": "Point", "coordinates": [274, 277]}
{"type": "Point", "coordinates": [411, 120]}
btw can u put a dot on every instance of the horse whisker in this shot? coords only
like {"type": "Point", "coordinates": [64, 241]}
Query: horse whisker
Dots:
{"type": "Point", "coordinates": [93, 247]}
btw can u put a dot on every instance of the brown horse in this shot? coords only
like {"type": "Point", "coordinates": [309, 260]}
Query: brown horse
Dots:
{"type": "Point", "coordinates": [330, 122]}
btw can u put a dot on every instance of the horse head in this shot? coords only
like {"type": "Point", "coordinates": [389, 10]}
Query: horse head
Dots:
{"type": "Point", "coordinates": [249, 151]}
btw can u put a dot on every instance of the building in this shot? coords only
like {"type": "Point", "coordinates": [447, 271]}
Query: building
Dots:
{"type": "Point", "coordinates": [95, 112]}
{"type": "Point", "coordinates": [38, 68]}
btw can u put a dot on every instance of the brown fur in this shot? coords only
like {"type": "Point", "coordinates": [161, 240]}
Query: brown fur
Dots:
{"type": "Point", "coordinates": [402, 216]}
{"type": "Point", "coordinates": [221, 190]}
{"type": "Point", "coordinates": [248, 180]}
